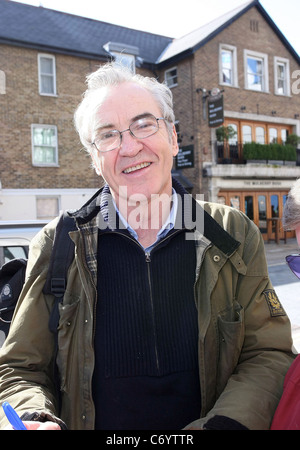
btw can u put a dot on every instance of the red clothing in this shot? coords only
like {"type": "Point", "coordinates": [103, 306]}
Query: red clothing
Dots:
{"type": "Point", "coordinates": [287, 415]}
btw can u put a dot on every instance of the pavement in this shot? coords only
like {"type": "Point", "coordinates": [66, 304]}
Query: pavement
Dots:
{"type": "Point", "coordinates": [276, 253]}
{"type": "Point", "coordinates": [286, 284]}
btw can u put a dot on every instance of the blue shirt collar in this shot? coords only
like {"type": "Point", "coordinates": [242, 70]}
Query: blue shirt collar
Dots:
{"type": "Point", "coordinates": [167, 226]}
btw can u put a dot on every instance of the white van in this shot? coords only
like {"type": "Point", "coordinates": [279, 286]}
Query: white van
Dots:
{"type": "Point", "coordinates": [15, 238]}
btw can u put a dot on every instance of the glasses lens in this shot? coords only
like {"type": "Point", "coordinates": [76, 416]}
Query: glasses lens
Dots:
{"type": "Point", "coordinates": [293, 262]}
{"type": "Point", "coordinates": [108, 140]}
{"type": "Point", "coordinates": [144, 127]}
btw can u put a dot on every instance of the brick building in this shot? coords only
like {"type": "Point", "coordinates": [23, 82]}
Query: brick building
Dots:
{"type": "Point", "coordinates": [240, 60]}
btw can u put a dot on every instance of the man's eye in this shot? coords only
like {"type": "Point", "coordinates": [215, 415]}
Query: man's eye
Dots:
{"type": "Point", "coordinates": [144, 124]}
{"type": "Point", "coordinates": [106, 136]}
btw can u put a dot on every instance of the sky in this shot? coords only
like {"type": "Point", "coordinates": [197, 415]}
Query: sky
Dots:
{"type": "Point", "coordinates": [174, 18]}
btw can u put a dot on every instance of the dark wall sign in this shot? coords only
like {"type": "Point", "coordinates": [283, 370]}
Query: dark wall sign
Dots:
{"type": "Point", "coordinates": [185, 157]}
{"type": "Point", "coordinates": [215, 111]}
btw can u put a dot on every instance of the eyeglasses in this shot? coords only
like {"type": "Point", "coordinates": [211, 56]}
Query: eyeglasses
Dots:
{"type": "Point", "coordinates": [293, 262]}
{"type": "Point", "coordinates": [141, 128]}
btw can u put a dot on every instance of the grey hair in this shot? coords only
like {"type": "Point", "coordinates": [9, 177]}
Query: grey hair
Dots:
{"type": "Point", "coordinates": [291, 212]}
{"type": "Point", "coordinates": [111, 75]}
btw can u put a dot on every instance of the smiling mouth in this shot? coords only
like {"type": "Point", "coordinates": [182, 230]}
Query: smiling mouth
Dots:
{"type": "Point", "coordinates": [138, 167]}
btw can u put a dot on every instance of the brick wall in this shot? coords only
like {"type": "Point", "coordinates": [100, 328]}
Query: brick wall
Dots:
{"type": "Point", "coordinates": [22, 105]}
{"type": "Point", "coordinates": [202, 71]}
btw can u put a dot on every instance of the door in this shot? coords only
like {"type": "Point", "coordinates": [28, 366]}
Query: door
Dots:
{"type": "Point", "coordinates": [264, 208]}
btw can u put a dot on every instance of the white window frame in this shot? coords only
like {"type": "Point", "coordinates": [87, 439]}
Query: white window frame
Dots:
{"type": "Point", "coordinates": [53, 75]}
{"type": "Point", "coordinates": [287, 87]}
{"type": "Point", "coordinates": [39, 164]}
{"type": "Point", "coordinates": [234, 68]}
{"type": "Point", "coordinates": [265, 74]}
{"type": "Point", "coordinates": [172, 84]}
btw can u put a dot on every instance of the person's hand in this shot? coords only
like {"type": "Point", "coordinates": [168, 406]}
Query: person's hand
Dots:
{"type": "Point", "coordinates": [32, 425]}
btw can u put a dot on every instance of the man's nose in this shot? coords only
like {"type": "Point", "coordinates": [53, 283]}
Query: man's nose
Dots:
{"type": "Point", "coordinates": [130, 145]}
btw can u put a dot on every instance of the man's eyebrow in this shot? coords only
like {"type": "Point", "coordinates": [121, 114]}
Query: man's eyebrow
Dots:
{"type": "Point", "coordinates": [104, 126]}
{"type": "Point", "coordinates": [141, 116]}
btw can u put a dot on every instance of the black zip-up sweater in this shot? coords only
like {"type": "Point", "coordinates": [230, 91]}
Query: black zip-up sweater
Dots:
{"type": "Point", "coordinates": [146, 374]}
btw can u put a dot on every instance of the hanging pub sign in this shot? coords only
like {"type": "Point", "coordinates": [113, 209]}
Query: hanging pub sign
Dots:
{"type": "Point", "coordinates": [185, 157]}
{"type": "Point", "coordinates": [215, 108]}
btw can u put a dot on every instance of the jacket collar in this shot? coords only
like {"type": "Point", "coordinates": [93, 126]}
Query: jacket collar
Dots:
{"type": "Point", "coordinates": [190, 216]}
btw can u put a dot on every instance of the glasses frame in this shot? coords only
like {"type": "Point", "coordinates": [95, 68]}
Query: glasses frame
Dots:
{"type": "Point", "coordinates": [120, 133]}
{"type": "Point", "coordinates": [297, 255]}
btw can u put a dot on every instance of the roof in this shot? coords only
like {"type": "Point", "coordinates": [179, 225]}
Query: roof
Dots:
{"type": "Point", "coordinates": [49, 30]}
{"type": "Point", "coordinates": [191, 40]}
{"type": "Point", "coordinates": [188, 44]}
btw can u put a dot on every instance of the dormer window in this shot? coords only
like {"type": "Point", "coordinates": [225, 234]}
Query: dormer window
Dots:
{"type": "Point", "coordinates": [125, 55]}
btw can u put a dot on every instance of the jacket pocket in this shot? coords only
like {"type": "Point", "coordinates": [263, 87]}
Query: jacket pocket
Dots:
{"type": "Point", "coordinates": [67, 345]}
{"type": "Point", "coordinates": [231, 330]}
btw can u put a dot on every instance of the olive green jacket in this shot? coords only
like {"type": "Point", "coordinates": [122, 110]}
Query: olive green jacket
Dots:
{"type": "Point", "coordinates": [244, 334]}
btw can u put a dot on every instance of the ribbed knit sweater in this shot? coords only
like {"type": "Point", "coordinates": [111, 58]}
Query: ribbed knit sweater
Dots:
{"type": "Point", "coordinates": [146, 371]}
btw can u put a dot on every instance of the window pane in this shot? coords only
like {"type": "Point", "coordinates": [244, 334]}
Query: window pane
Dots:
{"type": "Point", "coordinates": [249, 206]}
{"type": "Point", "coordinates": [227, 66]}
{"type": "Point", "coordinates": [233, 140]}
{"type": "Point", "coordinates": [255, 74]}
{"type": "Point", "coordinates": [125, 60]}
{"type": "Point", "coordinates": [260, 135]}
{"type": "Point", "coordinates": [281, 78]}
{"type": "Point", "coordinates": [281, 71]}
{"type": "Point", "coordinates": [46, 66]}
{"type": "Point", "coordinates": [171, 77]}
{"type": "Point", "coordinates": [44, 145]}
{"type": "Point", "coordinates": [273, 135]}
{"type": "Point", "coordinates": [46, 75]}
{"type": "Point", "coordinates": [14, 252]}
{"type": "Point", "coordinates": [44, 155]}
{"type": "Point", "coordinates": [262, 213]}
{"type": "Point", "coordinates": [247, 134]}
{"type": "Point", "coordinates": [235, 202]}
{"type": "Point", "coordinates": [284, 135]}
{"type": "Point", "coordinates": [44, 136]}
{"type": "Point", "coordinates": [47, 86]}
{"type": "Point", "coordinates": [274, 206]}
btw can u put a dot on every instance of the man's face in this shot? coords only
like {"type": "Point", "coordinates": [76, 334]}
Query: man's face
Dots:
{"type": "Point", "coordinates": [150, 159]}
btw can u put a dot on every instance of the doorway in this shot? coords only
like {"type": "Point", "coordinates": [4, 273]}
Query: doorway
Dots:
{"type": "Point", "coordinates": [265, 208]}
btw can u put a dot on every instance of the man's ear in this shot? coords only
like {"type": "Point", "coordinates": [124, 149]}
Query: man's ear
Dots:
{"type": "Point", "coordinates": [175, 148]}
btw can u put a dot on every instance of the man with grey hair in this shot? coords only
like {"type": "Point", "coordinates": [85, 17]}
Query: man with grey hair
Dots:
{"type": "Point", "coordinates": [169, 319]}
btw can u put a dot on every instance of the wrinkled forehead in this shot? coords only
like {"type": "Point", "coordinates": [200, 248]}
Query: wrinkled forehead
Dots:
{"type": "Point", "coordinates": [124, 101]}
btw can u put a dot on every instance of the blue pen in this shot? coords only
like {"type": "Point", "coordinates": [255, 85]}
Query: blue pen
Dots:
{"type": "Point", "coordinates": [13, 417]}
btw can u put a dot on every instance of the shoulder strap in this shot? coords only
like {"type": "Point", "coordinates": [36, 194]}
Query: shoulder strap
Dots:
{"type": "Point", "coordinates": [61, 258]}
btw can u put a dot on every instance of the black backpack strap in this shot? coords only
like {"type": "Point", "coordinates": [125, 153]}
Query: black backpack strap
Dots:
{"type": "Point", "coordinates": [61, 258]}
{"type": "Point", "coordinates": [56, 282]}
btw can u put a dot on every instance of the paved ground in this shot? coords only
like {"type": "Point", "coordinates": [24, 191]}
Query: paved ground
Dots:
{"type": "Point", "coordinates": [286, 284]}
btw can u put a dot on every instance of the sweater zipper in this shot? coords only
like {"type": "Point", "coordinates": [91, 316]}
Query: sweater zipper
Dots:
{"type": "Point", "coordinates": [148, 262]}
